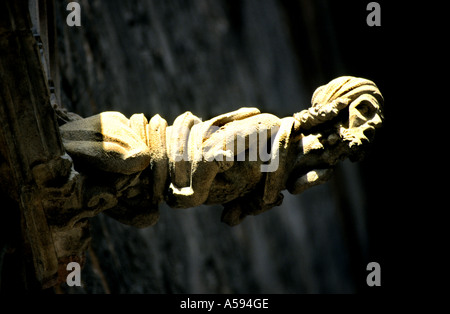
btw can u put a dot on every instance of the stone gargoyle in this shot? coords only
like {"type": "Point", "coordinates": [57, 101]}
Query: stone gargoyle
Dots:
{"type": "Point", "coordinates": [242, 159]}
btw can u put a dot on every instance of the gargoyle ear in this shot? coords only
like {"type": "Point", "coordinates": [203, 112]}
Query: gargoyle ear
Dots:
{"type": "Point", "coordinates": [106, 142]}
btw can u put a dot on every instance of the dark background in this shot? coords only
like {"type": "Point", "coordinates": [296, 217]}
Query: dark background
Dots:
{"type": "Point", "coordinates": [211, 57]}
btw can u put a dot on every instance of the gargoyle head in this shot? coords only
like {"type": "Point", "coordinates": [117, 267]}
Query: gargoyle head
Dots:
{"type": "Point", "coordinates": [357, 97]}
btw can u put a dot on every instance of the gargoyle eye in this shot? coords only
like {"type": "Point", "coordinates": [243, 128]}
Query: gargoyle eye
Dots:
{"type": "Point", "coordinates": [366, 109]}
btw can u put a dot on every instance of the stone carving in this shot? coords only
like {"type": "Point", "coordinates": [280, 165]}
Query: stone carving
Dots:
{"type": "Point", "coordinates": [242, 159]}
